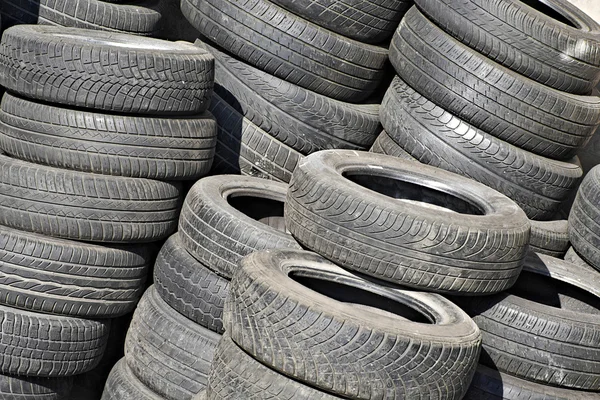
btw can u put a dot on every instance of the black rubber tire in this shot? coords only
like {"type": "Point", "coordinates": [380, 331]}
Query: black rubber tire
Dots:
{"type": "Point", "coordinates": [78, 67]}
{"type": "Point", "coordinates": [304, 120]}
{"type": "Point", "coordinates": [123, 385]}
{"type": "Point", "coordinates": [489, 96]}
{"type": "Point", "coordinates": [141, 18]}
{"type": "Point", "coordinates": [14, 387]}
{"type": "Point", "coordinates": [489, 384]}
{"type": "Point", "coordinates": [436, 137]}
{"type": "Point", "coordinates": [437, 244]}
{"type": "Point", "coordinates": [83, 206]}
{"type": "Point", "coordinates": [56, 276]}
{"type": "Point", "coordinates": [550, 237]}
{"type": "Point", "coordinates": [365, 21]}
{"type": "Point", "coordinates": [167, 352]}
{"type": "Point", "coordinates": [189, 287]}
{"type": "Point", "coordinates": [41, 345]}
{"type": "Point", "coordinates": [555, 344]}
{"type": "Point", "coordinates": [584, 219]}
{"type": "Point", "coordinates": [237, 376]}
{"type": "Point", "coordinates": [557, 55]}
{"type": "Point", "coordinates": [289, 47]}
{"type": "Point", "coordinates": [243, 147]}
{"type": "Point", "coordinates": [219, 235]}
{"type": "Point", "coordinates": [142, 147]}
{"type": "Point", "coordinates": [384, 144]}
{"type": "Point", "coordinates": [356, 351]}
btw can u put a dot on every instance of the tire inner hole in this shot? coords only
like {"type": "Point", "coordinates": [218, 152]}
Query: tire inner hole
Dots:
{"type": "Point", "coordinates": [407, 191]}
{"type": "Point", "coordinates": [362, 299]}
{"type": "Point", "coordinates": [555, 293]}
{"type": "Point", "coordinates": [546, 9]}
{"type": "Point", "coordinates": [266, 211]}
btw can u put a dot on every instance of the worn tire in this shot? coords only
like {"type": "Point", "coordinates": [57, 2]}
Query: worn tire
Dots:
{"type": "Point", "coordinates": [584, 219]}
{"type": "Point", "coordinates": [384, 144]}
{"type": "Point", "coordinates": [479, 248]}
{"type": "Point", "coordinates": [357, 351]}
{"type": "Point", "coordinates": [41, 345]}
{"type": "Point", "coordinates": [436, 137]}
{"type": "Point", "coordinates": [243, 147]}
{"type": "Point", "coordinates": [218, 235]}
{"type": "Point", "coordinates": [106, 71]}
{"type": "Point", "coordinates": [142, 147]}
{"type": "Point", "coordinates": [550, 237]}
{"type": "Point", "coordinates": [557, 55]}
{"type": "Point", "coordinates": [122, 384]}
{"type": "Point", "coordinates": [541, 332]}
{"type": "Point", "coordinates": [237, 376]}
{"type": "Point", "coordinates": [489, 96]}
{"type": "Point", "coordinates": [189, 287]}
{"type": "Point", "coordinates": [142, 18]}
{"type": "Point", "coordinates": [289, 47]}
{"type": "Point", "coordinates": [168, 353]}
{"type": "Point", "coordinates": [303, 120]}
{"type": "Point", "coordinates": [56, 276]}
{"type": "Point", "coordinates": [572, 257]}
{"type": "Point", "coordinates": [84, 206]}
{"type": "Point", "coordinates": [489, 384]}
{"type": "Point", "coordinates": [14, 387]}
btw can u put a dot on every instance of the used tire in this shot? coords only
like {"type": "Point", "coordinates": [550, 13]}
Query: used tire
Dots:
{"type": "Point", "coordinates": [546, 328]}
{"type": "Point", "coordinates": [106, 71]}
{"type": "Point", "coordinates": [142, 147]}
{"type": "Point", "coordinates": [56, 276]}
{"type": "Point", "coordinates": [14, 387]}
{"type": "Point", "coordinates": [574, 258]}
{"type": "Point", "coordinates": [189, 287]}
{"type": "Point", "coordinates": [225, 218]}
{"type": "Point", "coordinates": [550, 237]}
{"type": "Point", "coordinates": [584, 219]}
{"type": "Point", "coordinates": [384, 144]}
{"type": "Point", "coordinates": [237, 376]}
{"type": "Point", "coordinates": [123, 385]}
{"type": "Point", "coordinates": [560, 55]}
{"type": "Point", "coordinates": [489, 384]}
{"type": "Point", "coordinates": [289, 310]}
{"type": "Point", "coordinates": [289, 47]}
{"type": "Point", "coordinates": [84, 206]}
{"type": "Point", "coordinates": [167, 352]}
{"type": "Point", "coordinates": [42, 345]}
{"type": "Point", "coordinates": [436, 137]}
{"type": "Point", "coordinates": [304, 120]}
{"type": "Point", "coordinates": [451, 234]}
{"type": "Point", "coordinates": [489, 96]}
{"type": "Point", "coordinates": [142, 18]}
{"type": "Point", "coordinates": [243, 147]}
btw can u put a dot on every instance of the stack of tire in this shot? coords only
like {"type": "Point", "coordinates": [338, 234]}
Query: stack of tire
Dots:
{"type": "Point", "coordinates": [178, 323]}
{"type": "Point", "coordinates": [293, 77]}
{"type": "Point", "coordinates": [508, 106]}
{"type": "Point", "coordinates": [86, 180]}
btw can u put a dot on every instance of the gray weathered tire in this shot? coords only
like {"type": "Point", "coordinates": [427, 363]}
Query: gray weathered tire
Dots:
{"type": "Point", "coordinates": [218, 234]}
{"type": "Point", "coordinates": [451, 234]}
{"type": "Point", "coordinates": [14, 387]}
{"type": "Point", "coordinates": [122, 384]}
{"type": "Point", "coordinates": [584, 219]}
{"type": "Point", "coordinates": [384, 144]}
{"type": "Point", "coordinates": [83, 206]}
{"type": "Point", "coordinates": [105, 70]}
{"type": "Point", "coordinates": [550, 237]}
{"type": "Point", "coordinates": [289, 310]}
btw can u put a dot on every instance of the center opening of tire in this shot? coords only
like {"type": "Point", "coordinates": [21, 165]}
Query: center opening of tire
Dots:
{"type": "Point", "coordinates": [266, 211]}
{"type": "Point", "coordinates": [544, 8]}
{"type": "Point", "coordinates": [402, 190]}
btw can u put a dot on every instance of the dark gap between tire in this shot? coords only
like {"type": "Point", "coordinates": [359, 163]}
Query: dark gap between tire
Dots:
{"type": "Point", "coordinates": [266, 211]}
{"type": "Point", "coordinates": [367, 301]}
{"type": "Point", "coordinates": [555, 293]}
{"type": "Point", "coordinates": [402, 190]}
{"type": "Point", "coordinates": [546, 8]}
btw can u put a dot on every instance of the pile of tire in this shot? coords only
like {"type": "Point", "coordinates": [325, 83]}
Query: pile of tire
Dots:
{"type": "Point", "coordinates": [175, 330]}
{"type": "Point", "coordinates": [509, 107]}
{"type": "Point", "coordinates": [96, 128]}
{"type": "Point", "coordinates": [294, 77]}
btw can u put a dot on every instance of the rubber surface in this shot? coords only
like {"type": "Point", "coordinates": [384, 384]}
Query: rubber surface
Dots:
{"type": "Point", "coordinates": [14, 387]}
{"type": "Point", "coordinates": [106, 71]}
{"type": "Point", "coordinates": [584, 219]}
{"type": "Point", "coordinates": [136, 146]}
{"type": "Point", "coordinates": [450, 234]}
{"type": "Point", "coordinates": [289, 47]}
{"type": "Point", "coordinates": [123, 385]}
{"type": "Point", "coordinates": [384, 144]}
{"type": "Point", "coordinates": [189, 287]}
{"type": "Point", "coordinates": [489, 96]}
{"type": "Point", "coordinates": [84, 206]}
{"type": "Point", "coordinates": [550, 237]}
{"type": "Point", "coordinates": [357, 351]}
